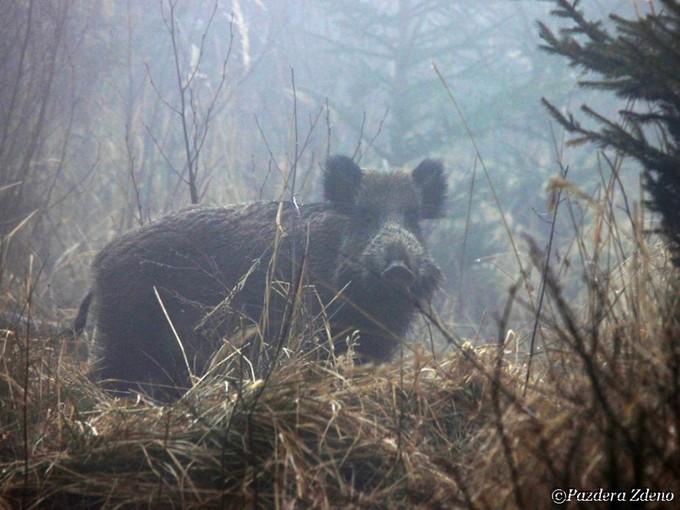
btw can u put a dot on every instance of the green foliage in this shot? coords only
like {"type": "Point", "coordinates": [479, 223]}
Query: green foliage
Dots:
{"type": "Point", "coordinates": [639, 62]}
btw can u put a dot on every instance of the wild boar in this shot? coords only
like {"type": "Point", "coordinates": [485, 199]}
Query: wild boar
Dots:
{"type": "Point", "coordinates": [210, 273]}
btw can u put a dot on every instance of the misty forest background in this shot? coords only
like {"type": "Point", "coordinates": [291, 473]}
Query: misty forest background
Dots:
{"type": "Point", "coordinates": [116, 112]}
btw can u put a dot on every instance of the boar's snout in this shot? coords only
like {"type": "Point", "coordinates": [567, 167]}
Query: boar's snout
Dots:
{"type": "Point", "coordinates": [398, 273]}
{"type": "Point", "coordinates": [397, 257]}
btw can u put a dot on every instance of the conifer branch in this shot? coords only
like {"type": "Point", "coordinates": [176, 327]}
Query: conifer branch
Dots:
{"type": "Point", "coordinates": [639, 64]}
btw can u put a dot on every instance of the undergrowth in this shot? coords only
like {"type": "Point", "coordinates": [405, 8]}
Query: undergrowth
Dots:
{"type": "Point", "coordinates": [599, 411]}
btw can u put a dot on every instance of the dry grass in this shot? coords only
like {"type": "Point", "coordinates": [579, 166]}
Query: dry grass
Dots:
{"type": "Point", "coordinates": [313, 436]}
{"type": "Point", "coordinates": [599, 411]}
{"type": "Point", "coordinates": [603, 413]}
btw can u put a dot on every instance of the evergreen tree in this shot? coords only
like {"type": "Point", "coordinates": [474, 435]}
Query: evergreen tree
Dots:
{"type": "Point", "coordinates": [639, 61]}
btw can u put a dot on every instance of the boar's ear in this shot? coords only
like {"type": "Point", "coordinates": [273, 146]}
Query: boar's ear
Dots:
{"type": "Point", "coordinates": [341, 180]}
{"type": "Point", "coordinates": [428, 176]}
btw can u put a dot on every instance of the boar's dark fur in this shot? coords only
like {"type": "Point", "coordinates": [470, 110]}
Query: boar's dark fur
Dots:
{"type": "Point", "coordinates": [363, 243]}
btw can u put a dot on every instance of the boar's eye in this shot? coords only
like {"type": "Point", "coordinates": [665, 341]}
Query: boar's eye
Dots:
{"type": "Point", "coordinates": [364, 214]}
{"type": "Point", "coordinates": [412, 215]}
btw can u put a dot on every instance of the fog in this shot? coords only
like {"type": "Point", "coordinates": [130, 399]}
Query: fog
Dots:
{"type": "Point", "coordinates": [115, 112]}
